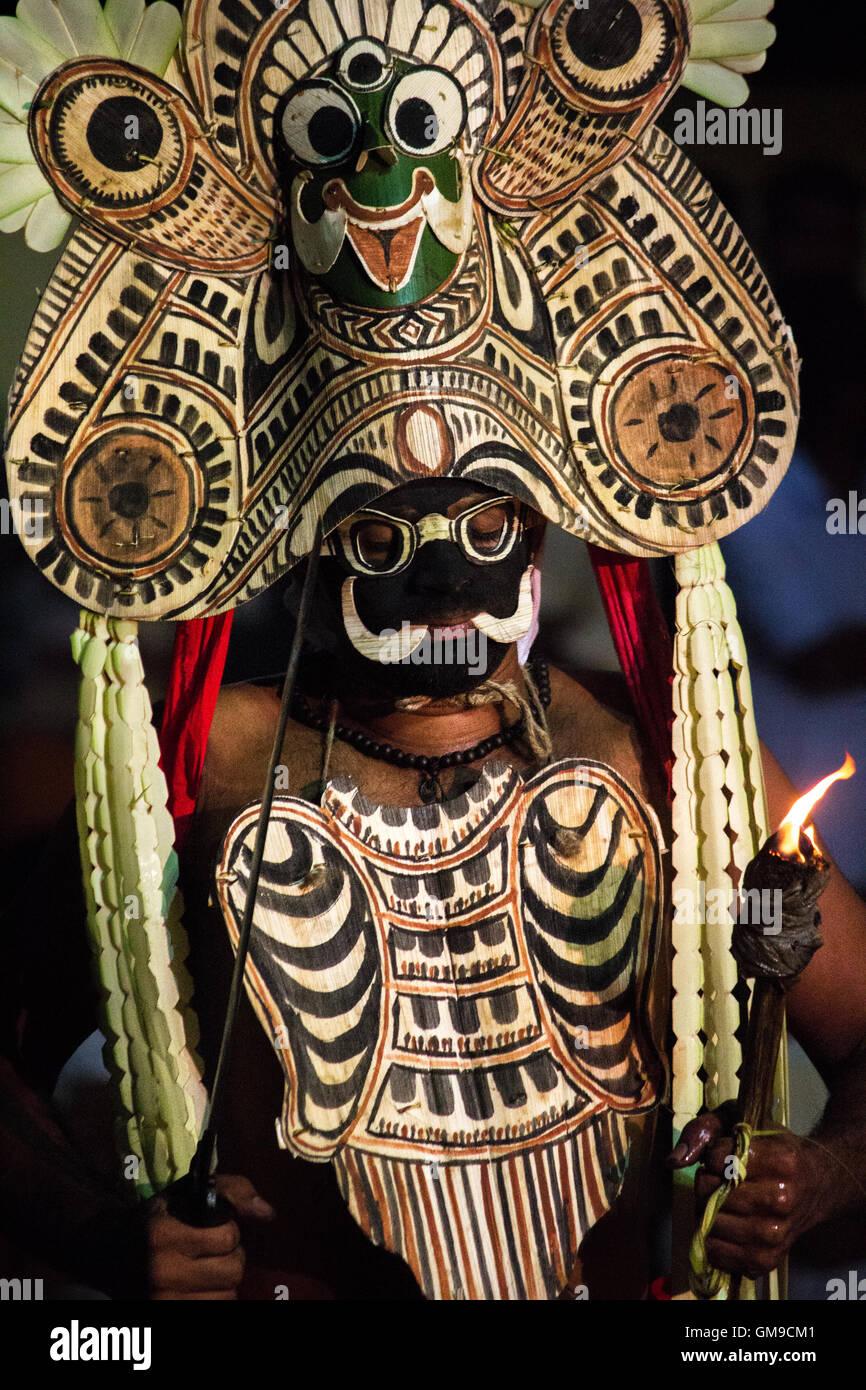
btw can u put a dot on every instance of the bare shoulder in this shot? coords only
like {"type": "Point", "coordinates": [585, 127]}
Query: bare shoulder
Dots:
{"type": "Point", "coordinates": [591, 717]}
{"type": "Point", "coordinates": [244, 717]}
{"type": "Point", "coordinates": [240, 743]}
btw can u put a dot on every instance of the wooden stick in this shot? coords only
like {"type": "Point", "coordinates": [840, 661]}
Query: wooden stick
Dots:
{"type": "Point", "coordinates": [766, 1016]}
{"type": "Point", "coordinates": [773, 948]}
{"type": "Point", "coordinates": [196, 1201]}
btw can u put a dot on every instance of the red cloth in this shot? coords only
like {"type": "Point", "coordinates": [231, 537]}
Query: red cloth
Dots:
{"type": "Point", "coordinates": [198, 661]}
{"type": "Point", "coordinates": [642, 643]}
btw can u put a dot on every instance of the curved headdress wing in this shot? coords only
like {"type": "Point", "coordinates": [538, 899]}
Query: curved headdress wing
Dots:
{"type": "Point", "coordinates": [372, 242]}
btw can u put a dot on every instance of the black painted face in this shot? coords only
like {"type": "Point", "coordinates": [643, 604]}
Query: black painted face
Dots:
{"type": "Point", "coordinates": [454, 597]}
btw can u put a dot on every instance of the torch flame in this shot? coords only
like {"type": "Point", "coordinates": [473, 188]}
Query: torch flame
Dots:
{"type": "Point", "coordinates": [789, 831]}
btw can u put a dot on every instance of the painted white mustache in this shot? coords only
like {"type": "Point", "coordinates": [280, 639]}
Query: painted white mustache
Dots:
{"type": "Point", "coordinates": [511, 629]}
{"type": "Point", "coordinates": [319, 243]}
{"type": "Point", "coordinates": [392, 646]}
{"type": "Point", "coordinates": [376, 646]}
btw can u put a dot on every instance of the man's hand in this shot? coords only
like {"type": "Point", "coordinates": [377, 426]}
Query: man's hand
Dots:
{"type": "Point", "coordinates": [191, 1262]}
{"type": "Point", "coordinates": [780, 1198]}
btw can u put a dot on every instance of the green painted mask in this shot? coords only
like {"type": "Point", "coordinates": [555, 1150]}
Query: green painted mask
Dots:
{"type": "Point", "coordinates": [380, 199]}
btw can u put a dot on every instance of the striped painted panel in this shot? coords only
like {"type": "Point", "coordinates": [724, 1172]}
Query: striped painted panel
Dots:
{"type": "Point", "coordinates": [457, 994]}
{"type": "Point", "coordinates": [509, 1228]}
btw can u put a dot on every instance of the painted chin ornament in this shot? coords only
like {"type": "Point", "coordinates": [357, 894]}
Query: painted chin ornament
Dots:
{"type": "Point", "coordinates": [330, 249]}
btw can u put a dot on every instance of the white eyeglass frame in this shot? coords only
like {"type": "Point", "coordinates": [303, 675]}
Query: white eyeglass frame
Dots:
{"type": "Point", "coordinates": [432, 527]}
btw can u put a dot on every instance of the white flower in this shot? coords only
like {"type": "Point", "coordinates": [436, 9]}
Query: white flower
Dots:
{"type": "Point", "coordinates": [729, 38]}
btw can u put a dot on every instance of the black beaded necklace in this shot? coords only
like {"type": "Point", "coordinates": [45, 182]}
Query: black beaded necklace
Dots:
{"type": "Point", "coordinates": [429, 767]}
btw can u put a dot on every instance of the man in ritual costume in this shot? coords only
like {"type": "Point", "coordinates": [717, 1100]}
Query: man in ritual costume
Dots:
{"type": "Point", "coordinates": [371, 293]}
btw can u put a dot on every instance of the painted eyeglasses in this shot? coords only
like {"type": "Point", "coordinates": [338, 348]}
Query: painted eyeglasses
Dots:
{"type": "Point", "coordinates": [374, 542]}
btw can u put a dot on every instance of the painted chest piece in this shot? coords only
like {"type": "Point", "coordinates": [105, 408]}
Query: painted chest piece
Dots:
{"type": "Point", "coordinates": [457, 993]}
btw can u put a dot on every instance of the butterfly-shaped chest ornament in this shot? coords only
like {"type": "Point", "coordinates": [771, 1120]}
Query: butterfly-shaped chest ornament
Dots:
{"type": "Point", "coordinates": [457, 994]}
{"type": "Point", "coordinates": [363, 243]}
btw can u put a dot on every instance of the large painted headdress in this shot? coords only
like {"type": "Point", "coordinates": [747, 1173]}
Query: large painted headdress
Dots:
{"type": "Point", "coordinates": [339, 245]}
{"type": "Point", "coordinates": [361, 243]}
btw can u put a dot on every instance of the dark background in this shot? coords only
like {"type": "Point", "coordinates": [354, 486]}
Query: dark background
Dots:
{"type": "Point", "coordinates": [802, 210]}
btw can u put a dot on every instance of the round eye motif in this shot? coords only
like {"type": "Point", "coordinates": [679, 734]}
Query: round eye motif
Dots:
{"type": "Point", "coordinates": [614, 49]}
{"type": "Point", "coordinates": [123, 133]}
{"type": "Point", "coordinates": [426, 111]}
{"type": "Point", "coordinates": [113, 140]}
{"type": "Point", "coordinates": [129, 500]}
{"type": "Point", "coordinates": [365, 65]}
{"type": "Point", "coordinates": [320, 123]}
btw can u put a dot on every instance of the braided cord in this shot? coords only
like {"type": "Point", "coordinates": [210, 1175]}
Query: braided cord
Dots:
{"type": "Point", "coordinates": [705, 1281]}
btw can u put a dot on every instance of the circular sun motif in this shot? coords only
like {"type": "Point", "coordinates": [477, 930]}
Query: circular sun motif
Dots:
{"type": "Point", "coordinates": [129, 500]}
{"type": "Point", "coordinates": [679, 423]}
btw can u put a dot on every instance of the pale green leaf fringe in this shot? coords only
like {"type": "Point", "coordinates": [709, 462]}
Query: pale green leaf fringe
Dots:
{"type": "Point", "coordinates": [728, 38]}
{"type": "Point", "coordinates": [134, 907]}
{"type": "Point", "coordinates": [719, 822]}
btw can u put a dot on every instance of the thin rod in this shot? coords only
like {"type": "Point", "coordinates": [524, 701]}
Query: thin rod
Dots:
{"type": "Point", "coordinates": [204, 1154]}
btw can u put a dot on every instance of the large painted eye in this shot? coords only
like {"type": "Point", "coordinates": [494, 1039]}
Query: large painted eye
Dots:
{"type": "Point", "coordinates": [112, 139]}
{"type": "Point", "coordinates": [378, 544]}
{"type": "Point", "coordinates": [320, 123]}
{"type": "Point", "coordinates": [488, 532]}
{"type": "Point", "coordinates": [426, 111]}
{"type": "Point", "coordinates": [614, 49]}
{"type": "Point", "coordinates": [365, 65]}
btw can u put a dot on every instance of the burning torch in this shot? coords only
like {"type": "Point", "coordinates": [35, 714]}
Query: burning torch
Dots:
{"type": "Point", "coordinates": [791, 866]}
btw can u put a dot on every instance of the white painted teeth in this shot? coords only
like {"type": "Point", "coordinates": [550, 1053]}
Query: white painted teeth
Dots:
{"type": "Point", "coordinates": [451, 223]}
{"type": "Point", "coordinates": [318, 243]}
